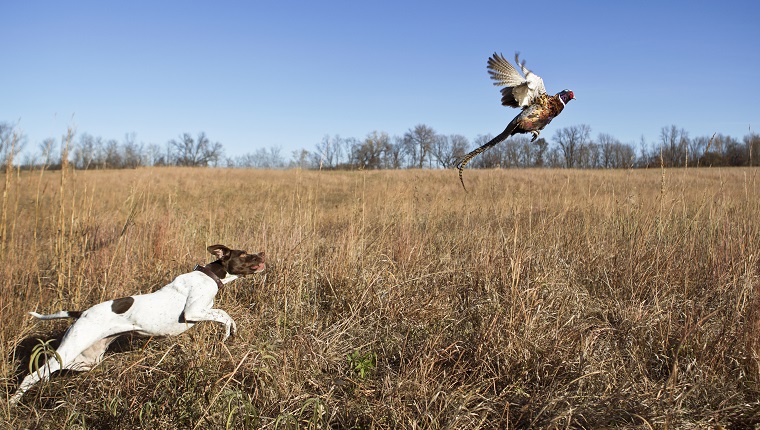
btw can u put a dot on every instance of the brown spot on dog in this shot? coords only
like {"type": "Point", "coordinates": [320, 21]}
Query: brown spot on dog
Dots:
{"type": "Point", "coordinates": [119, 306]}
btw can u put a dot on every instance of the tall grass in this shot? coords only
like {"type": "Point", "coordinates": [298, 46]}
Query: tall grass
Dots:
{"type": "Point", "coordinates": [541, 299]}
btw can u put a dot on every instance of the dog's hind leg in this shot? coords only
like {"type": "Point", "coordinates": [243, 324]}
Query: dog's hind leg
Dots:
{"type": "Point", "coordinates": [42, 374]}
{"type": "Point", "coordinates": [92, 356]}
{"type": "Point", "coordinates": [81, 348]}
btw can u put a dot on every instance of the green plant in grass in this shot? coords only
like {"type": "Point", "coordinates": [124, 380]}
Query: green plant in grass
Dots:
{"type": "Point", "coordinates": [240, 412]}
{"type": "Point", "coordinates": [43, 351]}
{"type": "Point", "coordinates": [362, 364]}
{"type": "Point", "coordinates": [315, 410]}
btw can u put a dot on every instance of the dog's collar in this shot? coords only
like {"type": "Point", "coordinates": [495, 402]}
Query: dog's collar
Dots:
{"type": "Point", "coordinates": [205, 270]}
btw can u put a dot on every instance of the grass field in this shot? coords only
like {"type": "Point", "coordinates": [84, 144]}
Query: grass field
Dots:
{"type": "Point", "coordinates": [540, 299]}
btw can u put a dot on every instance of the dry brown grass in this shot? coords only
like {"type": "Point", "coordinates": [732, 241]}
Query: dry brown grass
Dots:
{"type": "Point", "coordinates": [541, 299]}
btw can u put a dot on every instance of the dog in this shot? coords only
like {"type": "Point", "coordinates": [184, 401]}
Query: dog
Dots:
{"type": "Point", "coordinates": [170, 311]}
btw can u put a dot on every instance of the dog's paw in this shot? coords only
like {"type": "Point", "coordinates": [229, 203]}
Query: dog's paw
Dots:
{"type": "Point", "coordinates": [231, 330]}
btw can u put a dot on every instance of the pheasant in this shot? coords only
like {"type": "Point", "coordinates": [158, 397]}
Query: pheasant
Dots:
{"type": "Point", "coordinates": [528, 93]}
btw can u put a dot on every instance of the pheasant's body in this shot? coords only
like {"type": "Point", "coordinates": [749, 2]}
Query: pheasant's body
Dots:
{"type": "Point", "coordinates": [538, 115]}
{"type": "Point", "coordinates": [538, 108]}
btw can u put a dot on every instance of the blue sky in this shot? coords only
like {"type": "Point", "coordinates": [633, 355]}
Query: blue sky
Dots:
{"type": "Point", "coordinates": [260, 74]}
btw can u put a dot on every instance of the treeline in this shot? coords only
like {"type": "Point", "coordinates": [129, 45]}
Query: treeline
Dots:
{"type": "Point", "coordinates": [419, 147]}
{"type": "Point", "coordinates": [569, 147]}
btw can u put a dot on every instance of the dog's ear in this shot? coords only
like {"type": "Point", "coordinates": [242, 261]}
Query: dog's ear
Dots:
{"type": "Point", "coordinates": [220, 251]}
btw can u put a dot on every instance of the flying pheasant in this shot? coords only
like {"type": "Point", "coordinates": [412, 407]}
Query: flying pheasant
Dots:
{"type": "Point", "coordinates": [528, 93]}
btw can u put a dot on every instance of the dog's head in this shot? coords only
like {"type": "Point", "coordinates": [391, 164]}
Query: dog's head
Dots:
{"type": "Point", "coordinates": [238, 262]}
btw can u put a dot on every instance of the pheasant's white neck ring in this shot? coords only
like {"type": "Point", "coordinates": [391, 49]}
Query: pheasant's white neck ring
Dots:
{"type": "Point", "coordinates": [563, 102]}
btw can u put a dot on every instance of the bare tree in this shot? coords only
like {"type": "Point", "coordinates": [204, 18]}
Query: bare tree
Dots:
{"type": "Point", "coordinates": [489, 159]}
{"type": "Point", "coordinates": [301, 159]}
{"type": "Point", "coordinates": [264, 158]}
{"type": "Point", "coordinates": [525, 151]}
{"type": "Point", "coordinates": [752, 142]}
{"type": "Point", "coordinates": [555, 158]}
{"type": "Point", "coordinates": [155, 155]}
{"type": "Point", "coordinates": [112, 155]}
{"type": "Point", "coordinates": [441, 149]}
{"type": "Point", "coordinates": [624, 156]}
{"type": "Point", "coordinates": [396, 153]}
{"type": "Point", "coordinates": [511, 149]}
{"type": "Point", "coordinates": [274, 158]}
{"type": "Point", "coordinates": [47, 153]}
{"type": "Point", "coordinates": [459, 147]}
{"type": "Point", "coordinates": [373, 151]}
{"type": "Point", "coordinates": [448, 149]}
{"type": "Point", "coordinates": [674, 144]}
{"type": "Point", "coordinates": [11, 142]}
{"type": "Point", "coordinates": [734, 153]}
{"type": "Point", "coordinates": [588, 156]}
{"type": "Point", "coordinates": [195, 152]}
{"type": "Point", "coordinates": [348, 146]}
{"type": "Point", "coordinates": [326, 152]}
{"type": "Point", "coordinates": [419, 142]}
{"type": "Point", "coordinates": [570, 140]}
{"type": "Point", "coordinates": [607, 145]}
{"type": "Point", "coordinates": [132, 152]}
{"type": "Point", "coordinates": [86, 152]}
{"type": "Point", "coordinates": [539, 153]}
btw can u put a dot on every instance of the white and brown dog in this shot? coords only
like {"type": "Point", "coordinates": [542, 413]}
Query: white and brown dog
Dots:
{"type": "Point", "coordinates": [167, 312]}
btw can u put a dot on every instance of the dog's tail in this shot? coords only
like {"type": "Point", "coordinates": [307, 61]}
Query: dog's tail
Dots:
{"type": "Point", "coordinates": [57, 315]}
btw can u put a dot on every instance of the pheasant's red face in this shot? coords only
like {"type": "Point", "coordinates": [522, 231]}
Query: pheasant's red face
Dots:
{"type": "Point", "coordinates": [566, 96]}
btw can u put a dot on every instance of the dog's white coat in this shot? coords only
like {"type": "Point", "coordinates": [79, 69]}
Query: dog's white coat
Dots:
{"type": "Point", "coordinates": [169, 311]}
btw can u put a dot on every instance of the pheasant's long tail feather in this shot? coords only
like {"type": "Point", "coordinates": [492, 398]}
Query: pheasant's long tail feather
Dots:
{"type": "Point", "coordinates": [498, 139]}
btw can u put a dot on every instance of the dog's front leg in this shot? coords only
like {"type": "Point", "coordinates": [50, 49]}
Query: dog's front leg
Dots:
{"type": "Point", "coordinates": [216, 315]}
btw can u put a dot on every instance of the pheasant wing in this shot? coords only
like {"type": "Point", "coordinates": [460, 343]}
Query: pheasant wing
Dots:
{"type": "Point", "coordinates": [535, 83]}
{"type": "Point", "coordinates": [518, 91]}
